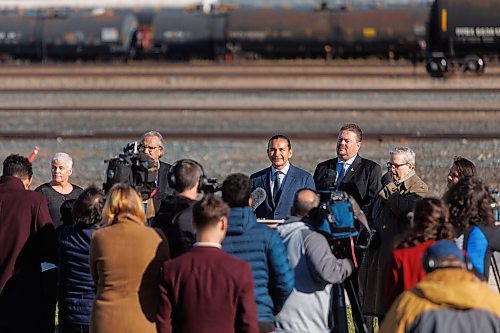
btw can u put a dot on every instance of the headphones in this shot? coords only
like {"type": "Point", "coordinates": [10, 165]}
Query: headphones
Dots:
{"type": "Point", "coordinates": [431, 263]}
{"type": "Point", "coordinates": [174, 169]}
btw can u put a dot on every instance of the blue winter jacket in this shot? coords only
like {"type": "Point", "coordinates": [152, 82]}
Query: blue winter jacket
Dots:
{"type": "Point", "coordinates": [263, 249]}
{"type": "Point", "coordinates": [75, 284]}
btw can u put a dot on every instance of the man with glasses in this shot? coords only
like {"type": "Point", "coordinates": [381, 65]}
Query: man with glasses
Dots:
{"type": "Point", "coordinates": [402, 188]}
{"type": "Point", "coordinates": [152, 144]}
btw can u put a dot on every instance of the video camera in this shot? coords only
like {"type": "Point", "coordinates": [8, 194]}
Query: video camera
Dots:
{"type": "Point", "coordinates": [134, 168]}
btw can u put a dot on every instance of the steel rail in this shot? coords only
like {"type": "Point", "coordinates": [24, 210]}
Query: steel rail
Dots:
{"type": "Point", "coordinates": [175, 109]}
{"type": "Point", "coordinates": [318, 136]}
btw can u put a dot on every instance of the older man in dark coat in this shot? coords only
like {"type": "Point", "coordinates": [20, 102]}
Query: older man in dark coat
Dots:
{"type": "Point", "coordinates": [27, 239]}
{"type": "Point", "coordinates": [402, 189]}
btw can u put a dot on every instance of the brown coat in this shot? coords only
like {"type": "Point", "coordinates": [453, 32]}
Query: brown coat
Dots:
{"type": "Point", "coordinates": [125, 260]}
{"type": "Point", "coordinates": [390, 208]}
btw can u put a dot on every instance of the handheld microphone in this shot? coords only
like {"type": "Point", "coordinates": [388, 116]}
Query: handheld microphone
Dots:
{"type": "Point", "coordinates": [33, 154]}
{"type": "Point", "coordinates": [258, 197]}
{"type": "Point", "coordinates": [331, 179]}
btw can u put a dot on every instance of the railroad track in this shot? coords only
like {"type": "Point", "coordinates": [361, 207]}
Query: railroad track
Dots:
{"type": "Point", "coordinates": [176, 109]}
{"type": "Point", "coordinates": [243, 135]}
{"type": "Point", "coordinates": [215, 70]}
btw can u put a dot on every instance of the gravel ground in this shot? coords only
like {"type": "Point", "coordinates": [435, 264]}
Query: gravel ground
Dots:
{"type": "Point", "coordinates": [222, 157]}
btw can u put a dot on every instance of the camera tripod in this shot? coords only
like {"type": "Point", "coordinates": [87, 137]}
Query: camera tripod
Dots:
{"type": "Point", "coordinates": [344, 248]}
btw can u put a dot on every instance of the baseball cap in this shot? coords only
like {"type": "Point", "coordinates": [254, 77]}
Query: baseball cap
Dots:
{"type": "Point", "coordinates": [443, 249]}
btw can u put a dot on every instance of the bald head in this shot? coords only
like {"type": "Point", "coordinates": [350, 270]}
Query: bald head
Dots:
{"type": "Point", "coordinates": [305, 200]}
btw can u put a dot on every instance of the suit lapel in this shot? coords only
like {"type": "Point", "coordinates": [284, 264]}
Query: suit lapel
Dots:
{"type": "Point", "coordinates": [352, 169]}
{"type": "Point", "coordinates": [266, 181]}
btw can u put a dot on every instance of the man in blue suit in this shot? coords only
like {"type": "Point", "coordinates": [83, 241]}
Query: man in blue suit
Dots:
{"type": "Point", "coordinates": [280, 181]}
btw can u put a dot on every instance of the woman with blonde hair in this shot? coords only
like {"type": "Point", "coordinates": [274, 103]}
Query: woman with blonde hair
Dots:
{"type": "Point", "coordinates": [125, 259]}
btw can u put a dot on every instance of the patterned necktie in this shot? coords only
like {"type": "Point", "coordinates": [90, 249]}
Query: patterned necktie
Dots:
{"type": "Point", "coordinates": [341, 176]}
{"type": "Point", "coordinates": [276, 186]}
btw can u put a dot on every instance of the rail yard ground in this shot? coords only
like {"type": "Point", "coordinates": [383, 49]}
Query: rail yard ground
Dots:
{"type": "Point", "coordinates": [222, 115]}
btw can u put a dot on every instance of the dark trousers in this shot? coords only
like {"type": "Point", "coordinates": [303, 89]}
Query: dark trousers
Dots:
{"type": "Point", "coordinates": [73, 328]}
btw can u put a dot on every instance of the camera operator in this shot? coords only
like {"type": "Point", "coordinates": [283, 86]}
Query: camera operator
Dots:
{"type": "Point", "coordinates": [307, 309]}
{"type": "Point", "coordinates": [174, 217]}
{"type": "Point", "coordinates": [152, 144]}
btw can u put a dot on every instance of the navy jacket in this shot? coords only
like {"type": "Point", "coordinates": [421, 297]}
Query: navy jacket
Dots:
{"type": "Point", "coordinates": [75, 284]}
{"type": "Point", "coordinates": [295, 180]}
{"type": "Point", "coordinates": [263, 249]}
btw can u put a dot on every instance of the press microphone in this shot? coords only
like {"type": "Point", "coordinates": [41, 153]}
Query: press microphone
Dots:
{"type": "Point", "coordinates": [331, 177]}
{"type": "Point", "coordinates": [258, 197]}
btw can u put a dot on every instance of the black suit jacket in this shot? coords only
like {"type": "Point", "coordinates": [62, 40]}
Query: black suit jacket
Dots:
{"type": "Point", "coordinates": [163, 188]}
{"type": "Point", "coordinates": [362, 181]}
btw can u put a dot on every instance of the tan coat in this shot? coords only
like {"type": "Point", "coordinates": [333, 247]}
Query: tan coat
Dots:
{"type": "Point", "coordinates": [389, 211]}
{"type": "Point", "coordinates": [125, 261]}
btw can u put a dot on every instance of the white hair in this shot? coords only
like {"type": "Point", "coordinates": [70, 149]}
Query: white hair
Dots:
{"type": "Point", "coordinates": [155, 134]}
{"type": "Point", "coordinates": [63, 157]}
{"type": "Point", "coordinates": [408, 154]}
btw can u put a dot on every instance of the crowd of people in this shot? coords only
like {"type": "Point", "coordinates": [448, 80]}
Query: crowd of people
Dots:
{"type": "Point", "coordinates": [237, 261]}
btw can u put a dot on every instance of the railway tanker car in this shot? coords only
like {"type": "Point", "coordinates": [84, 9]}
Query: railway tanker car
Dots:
{"type": "Point", "coordinates": [462, 34]}
{"type": "Point", "coordinates": [389, 31]}
{"type": "Point", "coordinates": [282, 33]}
{"type": "Point", "coordinates": [179, 34]}
{"type": "Point", "coordinates": [69, 35]}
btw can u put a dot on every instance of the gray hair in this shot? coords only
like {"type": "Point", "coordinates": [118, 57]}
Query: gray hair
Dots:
{"type": "Point", "coordinates": [155, 134]}
{"type": "Point", "coordinates": [408, 154]}
{"type": "Point", "coordinates": [65, 158]}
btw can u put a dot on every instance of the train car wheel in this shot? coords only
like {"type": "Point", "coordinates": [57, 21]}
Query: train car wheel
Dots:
{"type": "Point", "coordinates": [437, 67]}
{"type": "Point", "coordinates": [474, 64]}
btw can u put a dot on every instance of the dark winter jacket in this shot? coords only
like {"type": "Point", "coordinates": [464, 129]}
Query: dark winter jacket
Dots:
{"type": "Point", "coordinates": [263, 249]}
{"type": "Point", "coordinates": [75, 284]}
{"type": "Point", "coordinates": [175, 220]}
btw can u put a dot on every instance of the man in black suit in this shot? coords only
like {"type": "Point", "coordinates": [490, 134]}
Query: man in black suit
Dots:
{"type": "Point", "coordinates": [152, 144]}
{"type": "Point", "coordinates": [280, 181]}
{"type": "Point", "coordinates": [359, 177]}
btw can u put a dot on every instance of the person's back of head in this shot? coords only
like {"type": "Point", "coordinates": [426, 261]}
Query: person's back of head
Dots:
{"type": "Point", "coordinates": [208, 211]}
{"type": "Point", "coordinates": [444, 254]}
{"type": "Point", "coordinates": [17, 166]}
{"type": "Point", "coordinates": [88, 207]}
{"type": "Point", "coordinates": [469, 202]}
{"type": "Point", "coordinates": [236, 190]}
{"type": "Point", "coordinates": [429, 221]}
{"type": "Point", "coordinates": [305, 200]}
{"type": "Point", "coordinates": [465, 168]}
{"type": "Point", "coordinates": [123, 200]}
{"type": "Point", "coordinates": [184, 175]}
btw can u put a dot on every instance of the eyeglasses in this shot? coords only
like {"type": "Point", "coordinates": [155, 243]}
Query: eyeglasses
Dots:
{"type": "Point", "coordinates": [150, 148]}
{"type": "Point", "coordinates": [395, 165]}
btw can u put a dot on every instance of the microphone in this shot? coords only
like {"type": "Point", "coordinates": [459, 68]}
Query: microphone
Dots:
{"type": "Point", "coordinates": [258, 197]}
{"type": "Point", "coordinates": [331, 176]}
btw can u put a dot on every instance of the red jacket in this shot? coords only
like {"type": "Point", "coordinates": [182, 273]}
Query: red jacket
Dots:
{"type": "Point", "coordinates": [207, 290]}
{"type": "Point", "coordinates": [405, 270]}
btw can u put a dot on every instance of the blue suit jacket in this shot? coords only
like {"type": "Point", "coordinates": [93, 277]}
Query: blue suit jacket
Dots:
{"type": "Point", "coordinates": [295, 180]}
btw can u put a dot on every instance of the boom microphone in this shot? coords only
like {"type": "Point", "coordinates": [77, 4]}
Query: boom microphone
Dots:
{"type": "Point", "coordinates": [258, 197]}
